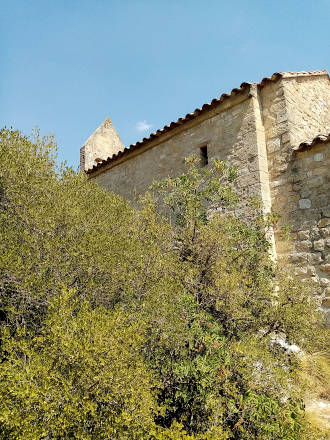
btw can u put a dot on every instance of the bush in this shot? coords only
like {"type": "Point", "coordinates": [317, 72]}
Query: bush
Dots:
{"type": "Point", "coordinates": [163, 321]}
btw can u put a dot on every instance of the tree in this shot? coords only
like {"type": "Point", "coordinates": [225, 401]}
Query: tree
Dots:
{"type": "Point", "coordinates": [156, 322]}
{"type": "Point", "coordinates": [82, 377]}
{"type": "Point", "coordinates": [233, 373]}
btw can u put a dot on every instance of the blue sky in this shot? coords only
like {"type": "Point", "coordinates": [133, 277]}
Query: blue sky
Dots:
{"type": "Point", "coordinates": [67, 65]}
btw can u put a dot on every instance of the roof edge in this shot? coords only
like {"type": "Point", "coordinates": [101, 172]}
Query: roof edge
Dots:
{"type": "Point", "coordinates": [245, 87]}
{"type": "Point", "coordinates": [283, 75]}
{"type": "Point", "coordinates": [319, 139]}
{"type": "Point", "coordinates": [205, 108]}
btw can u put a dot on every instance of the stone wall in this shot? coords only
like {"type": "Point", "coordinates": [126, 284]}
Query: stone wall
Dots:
{"type": "Point", "coordinates": [295, 109]}
{"type": "Point", "coordinates": [276, 125]}
{"type": "Point", "coordinates": [302, 197]}
{"type": "Point", "coordinates": [104, 142]}
{"type": "Point", "coordinates": [230, 133]}
{"type": "Point", "coordinates": [308, 104]}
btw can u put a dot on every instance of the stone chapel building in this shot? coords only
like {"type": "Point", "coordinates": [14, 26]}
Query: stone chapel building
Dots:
{"type": "Point", "coordinates": [276, 133]}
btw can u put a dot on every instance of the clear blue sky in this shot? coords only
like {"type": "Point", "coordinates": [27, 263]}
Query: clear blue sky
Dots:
{"type": "Point", "coordinates": [68, 64]}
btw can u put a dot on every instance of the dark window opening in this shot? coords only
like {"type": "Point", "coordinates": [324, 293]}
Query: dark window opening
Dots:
{"type": "Point", "coordinates": [203, 155]}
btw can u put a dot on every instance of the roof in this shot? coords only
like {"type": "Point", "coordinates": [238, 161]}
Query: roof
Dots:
{"type": "Point", "coordinates": [319, 139]}
{"type": "Point", "coordinates": [244, 87]}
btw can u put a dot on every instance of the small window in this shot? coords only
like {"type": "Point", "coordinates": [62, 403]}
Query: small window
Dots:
{"type": "Point", "coordinates": [203, 155]}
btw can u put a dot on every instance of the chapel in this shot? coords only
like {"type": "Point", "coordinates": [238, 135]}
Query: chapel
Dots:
{"type": "Point", "coordinates": [275, 132]}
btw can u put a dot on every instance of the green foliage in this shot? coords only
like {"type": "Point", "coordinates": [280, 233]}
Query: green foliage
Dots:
{"type": "Point", "coordinates": [314, 375]}
{"type": "Point", "coordinates": [233, 374]}
{"type": "Point", "coordinates": [159, 322]}
{"type": "Point", "coordinates": [55, 229]}
{"type": "Point", "coordinates": [82, 377]}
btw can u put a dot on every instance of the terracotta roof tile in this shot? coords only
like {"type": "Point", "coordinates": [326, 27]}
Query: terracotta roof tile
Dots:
{"type": "Point", "coordinates": [198, 111]}
{"type": "Point", "coordinates": [321, 138]}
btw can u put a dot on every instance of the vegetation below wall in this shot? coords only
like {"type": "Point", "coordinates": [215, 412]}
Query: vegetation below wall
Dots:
{"type": "Point", "coordinates": [155, 323]}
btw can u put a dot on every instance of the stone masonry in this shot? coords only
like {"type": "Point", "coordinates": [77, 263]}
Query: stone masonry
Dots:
{"type": "Point", "coordinates": [98, 144]}
{"type": "Point", "coordinates": [275, 132]}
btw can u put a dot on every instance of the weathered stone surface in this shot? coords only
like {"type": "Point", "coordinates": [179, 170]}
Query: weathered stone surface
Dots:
{"type": "Point", "coordinates": [323, 222]}
{"type": "Point", "coordinates": [274, 145]}
{"type": "Point", "coordinates": [314, 280]}
{"type": "Point", "coordinates": [315, 258]}
{"type": "Point", "coordinates": [318, 157]}
{"type": "Point", "coordinates": [298, 257]}
{"type": "Point", "coordinates": [326, 301]}
{"type": "Point", "coordinates": [325, 268]}
{"type": "Point", "coordinates": [319, 245]}
{"type": "Point", "coordinates": [300, 270]}
{"type": "Point", "coordinates": [103, 143]}
{"type": "Point", "coordinates": [324, 282]}
{"type": "Point", "coordinates": [315, 233]}
{"type": "Point", "coordinates": [311, 270]}
{"type": "Point", "coordinates": [305, 203]}
{"type": "Point", "coordinates": [303, 235]}
{"type": "Point", "coordinates": [325, 232]}
{"type": "Point", "coordinates": [304, 245]}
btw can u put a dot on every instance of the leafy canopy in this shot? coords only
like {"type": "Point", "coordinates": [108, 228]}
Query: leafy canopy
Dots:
{"type": "Point", "coordinates": [155, 322]}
